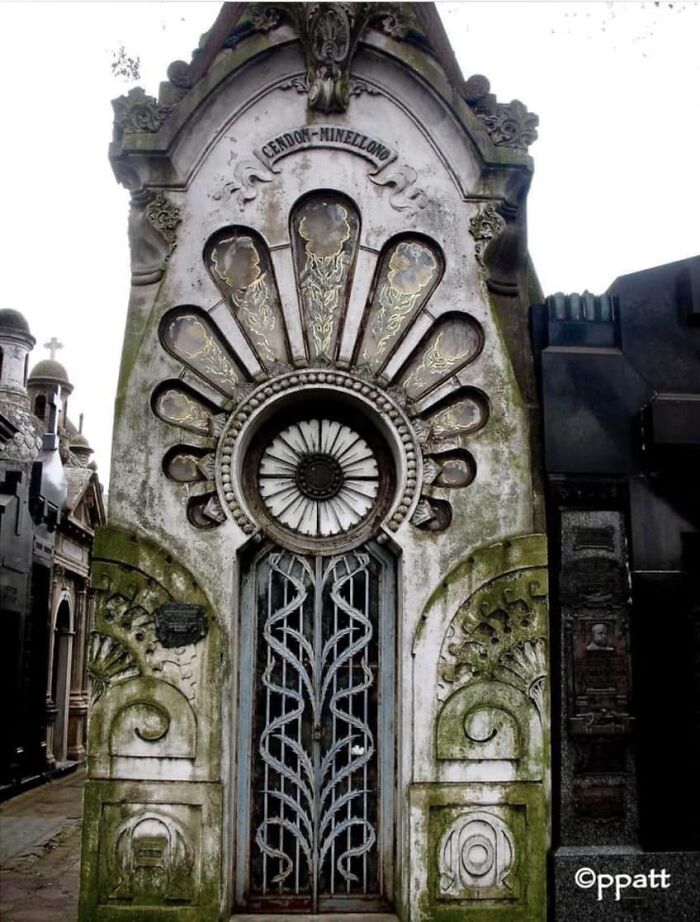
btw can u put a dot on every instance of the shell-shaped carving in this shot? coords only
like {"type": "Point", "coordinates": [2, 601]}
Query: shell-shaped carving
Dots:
{"type": "Point", "coordinates": [239, 263]}
{"type": "Point", "coordinates": [205, 511]}
{"type": "Point", "coordinates": [180, 406]}
{"type": "Point", "coordinates": [464, 411]}
{"type": "Point", "coordinates": [185, 464]}
{"type": "Point", "coordinates": [341, 303]}
{"type": "Point", "coordinates": [407, 273]}
{"type": "Point", "coordinates": [325, 228]}
{"type": "Point", "coordinates": [456, 468]}
{"type": "Point", "coordinates": [526, 667]}
{"type": "Point", "coordinates": [108, 661]}
{"type": "Point", "coordinates": [189, 335]}
{"type": "Point", "coordinates": [453, 342]}
{"type": "Point", "coordinates": [432, 514]}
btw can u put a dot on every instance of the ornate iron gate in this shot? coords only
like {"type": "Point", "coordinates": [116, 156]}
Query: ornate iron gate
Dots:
{"type": "Point", "coordinates": [319, 749]}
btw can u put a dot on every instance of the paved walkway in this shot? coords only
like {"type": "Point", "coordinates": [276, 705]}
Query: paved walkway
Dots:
{"type": "Point", "coordinates": [40, 852]}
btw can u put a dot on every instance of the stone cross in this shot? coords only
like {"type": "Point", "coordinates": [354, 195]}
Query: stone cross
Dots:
{"type": "Point", "coordinates": [53, 346]}
{"type": "Point", "coordinates": [53, 403]}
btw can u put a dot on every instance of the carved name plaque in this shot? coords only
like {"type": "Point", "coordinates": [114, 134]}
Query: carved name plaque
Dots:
{"type": "Point", "coordinates": [303, 138]}
{"type": "Point", "coordinates": [593, 582]}
{"type": "Point", "coordinates": [599, 801]}
{"type": "Point", "coordinates": [180, 623]}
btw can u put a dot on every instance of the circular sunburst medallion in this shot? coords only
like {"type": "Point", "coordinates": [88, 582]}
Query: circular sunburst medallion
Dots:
{"type": "Point", "coordinates": [318, 477]}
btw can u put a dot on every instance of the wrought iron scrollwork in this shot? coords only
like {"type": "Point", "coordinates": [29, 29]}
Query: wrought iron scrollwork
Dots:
{"type": "Point", "coordinates": [315, 788]}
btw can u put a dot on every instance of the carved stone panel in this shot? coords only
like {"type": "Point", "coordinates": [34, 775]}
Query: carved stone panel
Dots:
{"type": "Point", "coordinates": [151, 851]}
{"type": "Point", "coordinates": [152, 854]}
{"type": "Point", "coordinates": [477, 856]}
{"type": "Point", "coordinates": [154, 665]}
{"type": "Point", "coordinates": [492, 674]}
{"type": "Point", "coordinates": [478, 850]}
{"type": "Point", "coordinates": [492, 722]}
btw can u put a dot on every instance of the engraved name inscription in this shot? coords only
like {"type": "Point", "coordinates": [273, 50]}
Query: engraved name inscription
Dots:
{"type": "Point", "coordinates": [288, 142]}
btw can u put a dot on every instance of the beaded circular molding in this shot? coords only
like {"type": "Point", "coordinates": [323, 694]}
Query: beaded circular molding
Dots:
{"type": "Point", "coordinates": [317, 477]}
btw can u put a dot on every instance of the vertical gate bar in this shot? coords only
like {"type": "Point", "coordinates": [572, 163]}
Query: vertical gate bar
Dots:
{"type": "Point", "coordinates": [334, 737]}
{"type": "Point", "coordinates": [300, 613]}
{"type": "Point", "coordinates": [317, 647]}
{"type": "Point", "coordinates": [283, 728]}
{"type": "Point", "coordinates": [366, 741]}
{"type": "Point", "coordinates": [351, 704]}
{"type": "Point", "coordinates": [266, 777]}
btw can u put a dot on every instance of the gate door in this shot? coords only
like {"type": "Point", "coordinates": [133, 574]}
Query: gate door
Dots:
{"type": "Point", "coordinates": [317, 741]}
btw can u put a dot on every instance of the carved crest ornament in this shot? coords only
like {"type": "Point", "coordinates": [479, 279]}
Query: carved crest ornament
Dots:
{"type": "Point", "coordinates": [329, 34]}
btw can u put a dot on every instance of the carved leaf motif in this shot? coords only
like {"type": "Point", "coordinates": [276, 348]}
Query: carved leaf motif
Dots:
{"type": "Point", "coordinates": [525, 667]}
{"type": "Point", "coordinates": [108, 662]}
{"type": "Point", "coordinates": [499, 634]}
{"type": "Point", "coordinates": [137, 112]}
{"type": "Point", "coordinates": [358, 87]}
{"type": "Point", "coordinates": [245, 174]}
{"type": "Point", "coordinates": [511, 126]}
{"type": "Point", "coordinates": [484, 227]}
{"type": "Point", "coordinates": [507, 124]}
{"type": "Point", "coordinates": [164, 215]}
{"type": "Point", "coordinates": [296, 83]}
{"type": "Point", "coordinates": [213, 510]}
{"type": "Point", "coordinates": [430, 472]}
{"type": "Point", "coordinates": [407, 196]}
{"type": "Point", "coordinates": [207, 466]}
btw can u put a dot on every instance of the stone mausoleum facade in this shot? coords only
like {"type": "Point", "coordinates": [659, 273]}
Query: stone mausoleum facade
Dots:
{"type": "Point", "coordinates": [320, 663]}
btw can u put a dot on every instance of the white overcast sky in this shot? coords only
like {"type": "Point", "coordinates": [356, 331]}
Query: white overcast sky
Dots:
{"type": "Point", "coordinates": [617, 163]}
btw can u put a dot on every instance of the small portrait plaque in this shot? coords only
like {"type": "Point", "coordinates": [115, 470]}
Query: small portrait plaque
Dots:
{"type": "Point", "coordinates": [180, 623]}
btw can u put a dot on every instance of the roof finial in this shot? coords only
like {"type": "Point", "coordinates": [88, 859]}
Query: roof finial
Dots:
{"type": "Point", "coordinates": [53, 346]}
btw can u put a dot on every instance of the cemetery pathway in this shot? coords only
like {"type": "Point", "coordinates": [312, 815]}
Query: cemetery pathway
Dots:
{"type": "Point", "coordinates": [40, 852]}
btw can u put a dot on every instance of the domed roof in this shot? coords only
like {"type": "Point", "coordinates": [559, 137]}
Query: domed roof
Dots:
{"type": "Point", "coordinates": [79, 441]}
{"type": "Point", "coordinates": [13, 320]}
{"type": "Point", "coordinates": [51, 369]}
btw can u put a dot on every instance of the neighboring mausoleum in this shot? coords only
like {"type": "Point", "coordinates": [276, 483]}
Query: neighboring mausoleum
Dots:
{"type": "Point", "coordinates": [50, 506]}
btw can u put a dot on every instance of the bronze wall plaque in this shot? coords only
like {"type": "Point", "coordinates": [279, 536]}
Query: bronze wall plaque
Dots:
{"type": "Point", "coordinates": [180, 623]}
